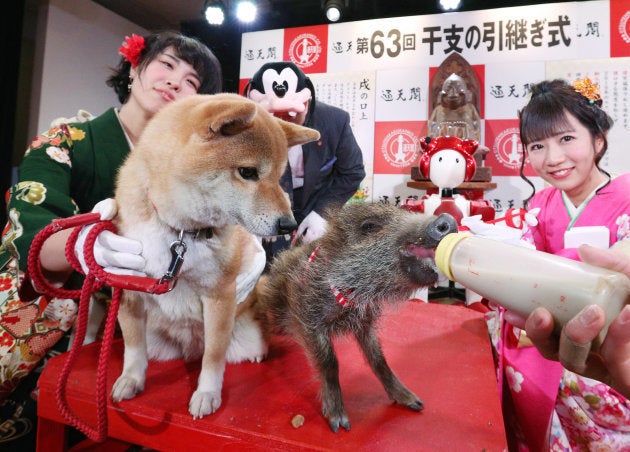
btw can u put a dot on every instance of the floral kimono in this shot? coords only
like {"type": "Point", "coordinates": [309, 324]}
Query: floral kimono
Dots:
{"type": "Point", "coordinates": [65, 171]}
{"type": "Point", "coordinates": [546, 406]}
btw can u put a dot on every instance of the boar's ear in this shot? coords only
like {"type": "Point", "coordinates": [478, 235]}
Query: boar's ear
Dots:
{"type": "Point", "coordinates": [231, 117]}
{"type": "Point", "coordinates": [298, 134]}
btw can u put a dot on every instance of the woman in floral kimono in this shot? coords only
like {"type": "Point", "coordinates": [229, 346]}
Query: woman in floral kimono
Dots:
{"type": "Point", "coordinates": [546, 405]}
{"type": "Point", "coordinates": [70, 168]}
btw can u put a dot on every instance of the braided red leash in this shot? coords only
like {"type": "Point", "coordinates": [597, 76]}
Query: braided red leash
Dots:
{"type": "Point", "coordinates": [94, 280]}
{"type": "Point", "coordinates": [34, 271]}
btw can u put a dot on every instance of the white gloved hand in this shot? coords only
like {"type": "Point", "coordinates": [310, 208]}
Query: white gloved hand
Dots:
{"type": "Point", "coordinates": [81, 116]}
{"type": "Point", "coordinates": [531, 217]}
{"type": "Point", "coordinates": [250, 271]}
{"type": "Point", "coordinates": [499, 231]}
{"type": "Point", "coordinates": [312, 227]}
{"type": "Point", "coordinates": [116, 254]}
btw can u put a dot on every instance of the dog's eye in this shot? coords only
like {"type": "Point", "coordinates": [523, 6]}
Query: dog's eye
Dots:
{"type": "Point", "coordinates": [248, 173]}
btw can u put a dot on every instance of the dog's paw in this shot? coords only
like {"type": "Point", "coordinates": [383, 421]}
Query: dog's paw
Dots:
{"type": "Point", "coordinates": [126, 388]}
{"type": "Point", "coordinates": [202, 403]}
{"type": "Point", "coordinates": [247, 343]}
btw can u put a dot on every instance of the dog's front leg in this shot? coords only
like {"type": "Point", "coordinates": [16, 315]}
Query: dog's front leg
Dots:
{"type": "Point", "coordinates": [396, 391]}
{"type": "Point", "coordinates": [132, 318]}
{"type": "Point", "coordinates": [218, 321]}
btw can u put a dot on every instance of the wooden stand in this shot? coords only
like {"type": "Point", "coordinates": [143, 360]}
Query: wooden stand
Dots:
{"type": "Point", "coordinates": [428, 185]}
{"type": "Point", "coordinates": [470, 190]}
{"type": "Point", "coordinates": [440, 352]}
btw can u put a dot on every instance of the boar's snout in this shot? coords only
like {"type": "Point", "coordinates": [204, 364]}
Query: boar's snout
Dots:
{"type": "Point", "coordinates": [442, 225]}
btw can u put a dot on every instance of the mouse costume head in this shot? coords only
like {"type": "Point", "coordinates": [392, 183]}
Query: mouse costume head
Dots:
{"type": "Point", "coordinates": [447, 161]}
{"type": "Point", "coordinates": [282, 89]}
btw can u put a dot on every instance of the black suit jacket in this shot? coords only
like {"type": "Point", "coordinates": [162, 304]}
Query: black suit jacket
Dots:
{"type": "Point", "coordinates": [333, 168]}
{"type": "Point", "coordinates": [333, 165]}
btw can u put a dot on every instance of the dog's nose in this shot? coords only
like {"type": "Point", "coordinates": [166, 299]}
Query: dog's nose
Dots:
{"type": "Point", "coordinates": [442, 225]}
{"type": "Point", "coordinates": [286, 224]}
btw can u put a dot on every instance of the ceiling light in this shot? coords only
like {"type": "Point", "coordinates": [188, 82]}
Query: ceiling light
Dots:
{"type": "Point", "coordinates": [334, 9]}
{"type": "Point", "coordinates": [213, 11]}
{"type": "Point", "coordinates": [449, 5]}
{"type": "Point", "coordinates": [246, 11]}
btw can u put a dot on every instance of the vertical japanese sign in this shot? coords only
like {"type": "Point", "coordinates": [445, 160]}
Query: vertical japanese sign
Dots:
{"type": "Point", "coordinates": [353, 92]}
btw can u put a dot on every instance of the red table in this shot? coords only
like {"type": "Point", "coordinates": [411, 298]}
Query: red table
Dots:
{"type": "Point", "coordinates": [441, 352]}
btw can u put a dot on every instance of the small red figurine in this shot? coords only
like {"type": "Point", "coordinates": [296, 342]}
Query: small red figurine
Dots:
{"type": "Point", "coordinates": [448, 162]}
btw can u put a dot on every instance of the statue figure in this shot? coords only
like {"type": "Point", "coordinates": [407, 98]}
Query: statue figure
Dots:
{"type": "Point", "coordinates": [455, 114]}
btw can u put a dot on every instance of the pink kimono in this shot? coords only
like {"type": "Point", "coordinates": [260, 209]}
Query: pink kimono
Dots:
{"type": "Point", "coordinates": [548, 407]}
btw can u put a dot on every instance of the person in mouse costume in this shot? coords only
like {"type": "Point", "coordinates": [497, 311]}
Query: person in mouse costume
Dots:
{"type": "Point", "coordinates": [320, 174]}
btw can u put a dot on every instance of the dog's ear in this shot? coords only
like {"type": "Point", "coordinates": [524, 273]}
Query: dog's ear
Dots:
{"type": "Point", "coordinates": [298, 134]}
{"type": "Point", "coordinates": [231, 118]}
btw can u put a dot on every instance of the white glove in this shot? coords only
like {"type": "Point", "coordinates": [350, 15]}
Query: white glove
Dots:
{"type": "Point", "coordinates": [82, 116]}
{"type": "Point", "coordinates": [531, 217]}
{"type": "Point", "coordinates": [250, 271]}
{"type": "Point", "coordinates": [312, 227]}
{"type": "Point", "coordinates": [499, 232]}
{"type": "Point", "coordinates": [116, 254]}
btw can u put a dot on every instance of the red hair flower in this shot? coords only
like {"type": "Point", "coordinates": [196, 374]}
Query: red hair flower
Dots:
{"type": "Point", "coordinates": [132, 48]}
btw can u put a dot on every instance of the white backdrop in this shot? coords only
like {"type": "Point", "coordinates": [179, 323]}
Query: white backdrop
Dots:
{"type": "Point", "coordinates": [380, 72]}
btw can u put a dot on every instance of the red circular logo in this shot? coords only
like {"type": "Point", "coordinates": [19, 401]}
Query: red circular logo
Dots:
{"type": "Point", "coordinates": [305, 49]}
{"type": "Point", "coordinates": [624, 27]}
{"type": "Point", "coordinates": [507, 148]}
{"type": "Point", "coordinates": [400, 148]}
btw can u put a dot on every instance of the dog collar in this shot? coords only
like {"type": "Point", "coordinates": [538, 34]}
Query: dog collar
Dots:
{"type": "Point", "coordinates": [201, 234]}
{"type": "Point", "coordinates": [343, 298]}
{"type": "Point", "coordinates": [178, 248]}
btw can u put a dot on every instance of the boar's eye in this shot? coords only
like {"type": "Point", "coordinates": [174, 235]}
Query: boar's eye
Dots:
{"type": "Point", "coordinates": [248, 173]}
{"type": "Point", "coordinates": [370, 227]}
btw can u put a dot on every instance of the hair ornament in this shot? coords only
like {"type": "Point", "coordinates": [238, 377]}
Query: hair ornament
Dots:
{"type": "Point", "coordinates": [588, 89]}
{"type": "Point", "coordinates": [132, 48]}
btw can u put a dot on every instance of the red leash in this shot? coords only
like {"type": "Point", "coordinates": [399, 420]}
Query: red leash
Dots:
{"type": "Point", "coordinates": [96, 278]}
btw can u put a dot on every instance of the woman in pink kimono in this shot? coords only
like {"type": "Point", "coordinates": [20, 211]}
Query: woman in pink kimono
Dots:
{"type": "Point", "coordinates": [549, 405]}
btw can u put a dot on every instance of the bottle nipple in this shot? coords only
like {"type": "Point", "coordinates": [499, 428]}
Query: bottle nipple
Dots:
{"type": "Point", "coordinates": [445, 249]}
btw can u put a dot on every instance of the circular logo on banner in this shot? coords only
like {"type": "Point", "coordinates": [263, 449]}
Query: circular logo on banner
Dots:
{"type": "Point", "coordinates": [507, 148]}
{"type": "Point", "coordinates": [624, 27]}
{"type": "Point", "coordinates": [400, 148]}
{"type": "Point", "coordinates": [305, 49]}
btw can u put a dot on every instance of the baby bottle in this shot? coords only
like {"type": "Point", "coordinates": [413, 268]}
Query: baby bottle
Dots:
{"type": "Point", "coordinates": [521, 279]}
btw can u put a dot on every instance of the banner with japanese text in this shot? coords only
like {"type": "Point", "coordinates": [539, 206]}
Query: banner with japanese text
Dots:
{"type": "Point", "coordinates": [381, 70]}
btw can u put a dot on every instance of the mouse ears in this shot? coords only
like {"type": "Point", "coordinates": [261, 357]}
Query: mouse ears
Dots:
{"type": "Point", "coordinates": [430, 146]}
{"type": "Point", "coordinates": [281, 82]}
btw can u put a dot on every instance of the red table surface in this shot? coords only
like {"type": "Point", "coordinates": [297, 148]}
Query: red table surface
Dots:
{"type": "Point", "coordinates": [441, 352]}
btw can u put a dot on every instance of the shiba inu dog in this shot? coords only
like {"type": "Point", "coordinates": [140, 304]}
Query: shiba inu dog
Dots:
{"type": "Point", "coordinates": [198, 188]}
